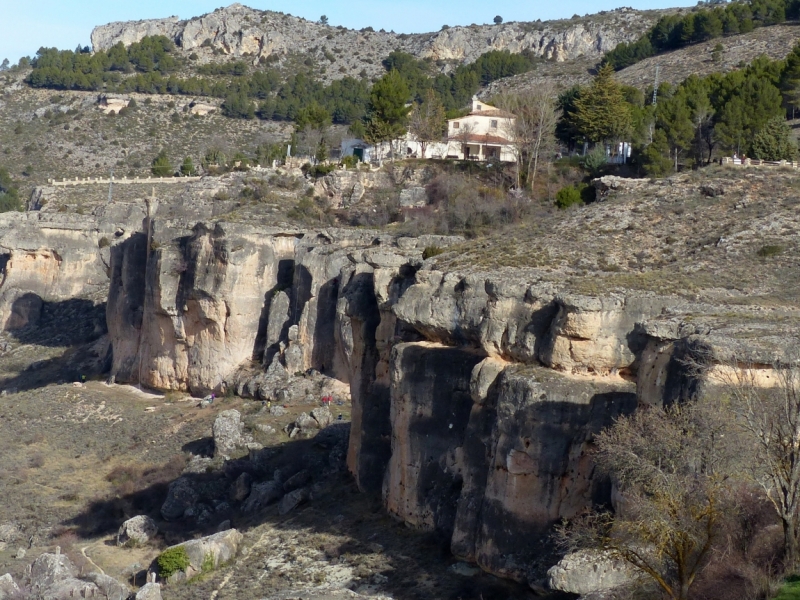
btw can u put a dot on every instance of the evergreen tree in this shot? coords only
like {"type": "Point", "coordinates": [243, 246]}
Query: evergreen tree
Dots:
{"type": "Point", "coordinates": [9, 197]}
{"type": "Point", "coordinates": [674, 118]}
{"type": "Point", "coordinates": [387, 108]}
{"type": "Point", "coordinates": [774, 141]}
{"type": "Point", "coordinates": [601, 113]}
{"type": "Point", "coordinates": [187, 168]}
{"type": "Point", "coordinates": [161, 165]}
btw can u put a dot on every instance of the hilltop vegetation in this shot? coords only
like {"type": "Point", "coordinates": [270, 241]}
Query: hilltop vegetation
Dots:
{"type": "Point", "coordinates": [675, 31]}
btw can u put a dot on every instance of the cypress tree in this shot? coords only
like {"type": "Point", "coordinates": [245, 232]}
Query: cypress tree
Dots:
{"type": "Point", "coordinates": [601, 113]}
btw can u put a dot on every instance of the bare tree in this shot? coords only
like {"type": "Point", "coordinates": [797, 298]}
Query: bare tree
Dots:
{"type": "Point", "coordinates": [532, 131]}
{"type": "Point", "coordinates": [673, 468]}
{"type": "Point", "coordinates": [427, 121]}
{"type": "Point", "coordinates": [769, 412]}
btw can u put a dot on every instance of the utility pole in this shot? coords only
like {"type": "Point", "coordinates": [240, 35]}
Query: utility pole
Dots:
{"type": "Point", "coordinates": [655, 87]}
{"type": "Point", "coordinates": [110, 185]}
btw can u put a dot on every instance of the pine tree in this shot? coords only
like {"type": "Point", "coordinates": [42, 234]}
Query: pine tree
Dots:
{"type": "Point", "coordinates": [161, 165]}
{"type": "Point", "coordinates": [601, 113]}
{"type": "Point", "coordinates": [187, 168]}
{"type": "Point", "coordinates": [387, 108]}
{"type": "Point", "coordinates": [774, 141]}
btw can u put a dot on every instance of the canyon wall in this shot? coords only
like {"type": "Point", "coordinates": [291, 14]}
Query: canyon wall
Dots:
{"type": "Point", "coordinates": [475, 395]}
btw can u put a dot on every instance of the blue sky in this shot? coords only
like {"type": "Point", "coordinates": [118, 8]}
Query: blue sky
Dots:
{"type": "Point", "coordinates": [27, 25]}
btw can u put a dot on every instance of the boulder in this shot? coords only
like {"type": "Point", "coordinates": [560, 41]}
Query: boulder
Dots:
{"type": "Point", "coordinates": [241, 487]}
{"type": "Point", "coordinates": [322, 416]}
{"type": "Point", "coordinates": [110, 588]}
{"type": "Point", "coordinates": [229, 436]}
{"type": "Point", "coordinates": [221, 547]}
{"type": "Point", "coordinates": [9, 590]}
{"type": "Point", "coordinates": [588, 572]}
{"type": "Point", "coordinates": [137, 531]}
{"type": "Point", "coordinates": [293, 499]}
{"type": "Point", "coordinates": [150, 591]}
{"type": "Point", "coordinates": [181, 496]}
{"type": "Point", "coordinates": [262, 494]}
{"type": "Point", "coordinates": [49, 569]}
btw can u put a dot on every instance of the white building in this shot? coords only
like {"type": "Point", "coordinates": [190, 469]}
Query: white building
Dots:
{"type": "Point", "coordinates": [482, 135]}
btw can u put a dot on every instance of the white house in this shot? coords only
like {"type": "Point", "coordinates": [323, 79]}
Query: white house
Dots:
{"type": "Point", "coordinates": [483, 134]}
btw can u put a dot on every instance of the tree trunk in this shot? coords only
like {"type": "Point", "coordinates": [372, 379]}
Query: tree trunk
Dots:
{"type": "Point", "coordinates": [789, 544]}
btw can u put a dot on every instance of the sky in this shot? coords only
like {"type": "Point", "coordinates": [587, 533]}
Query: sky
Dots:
{"type": "Point", "coordinates": [25, 26]}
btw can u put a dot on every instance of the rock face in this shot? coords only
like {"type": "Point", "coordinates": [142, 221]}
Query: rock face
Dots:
{"type": "Point", "coordinates": [589, 572]}
{"type": "Point", "coordinates": [138, 530]}
{"type": "Point", "coordinates": [241, 31]}
{"type": "Point", "coordinates": [54, 577]}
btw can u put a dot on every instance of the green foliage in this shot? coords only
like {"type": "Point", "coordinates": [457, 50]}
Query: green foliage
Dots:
{"type": "Point", "coordinates": [187, 167]}
{"type": "Point", "coordinates": [676, 31]}
{"type": "Point", "coordinates": [387, 108]}
{"type": "Point", "coordinates": [172, 560]}
{"type": "Point", "coordinates": [317, 171]}
{"type": "Point", "coordinates": [770, 250]}
{"type": "Point", "coordinates": [238, 105]}
{"type": "Point", "coordinates": [350, 162]}
{"type": "Point", "coordinates": [600, 111]}
{"type": "Point", "coordinates": [9, 195]}
{"type": "Point", "coordinates": [161, 165]}
{"type": "Point", "coordinates": [655, 157]}
{"type": "Point", "coordinates": [595, 161]}
{"type": "Point", "coordinates": [208, 563]}
{"type": "Point", "coordinates": [431, 251]}
{"type": "Point", "coordinates": [790, 589]}
{"type": "Point", "coordinates": [498, 19]}
{"type": "Point", "coordinates": [774, 141]}
{"type": "Point", "coordinates": [569, 196]}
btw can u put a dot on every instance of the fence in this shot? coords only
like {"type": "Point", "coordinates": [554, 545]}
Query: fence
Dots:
{"type": "Point", "coordinates": [754, 162]}
{"type": "Point", "coordinates": [121, 180]}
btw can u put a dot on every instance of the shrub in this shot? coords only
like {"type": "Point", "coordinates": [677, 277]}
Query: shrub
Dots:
{"type": "Point", "coordinates": [770, 250]}
{"type": "Point", "coordinates": [172, 560]}
{"type": "Point", "coordinates": [103, 243]}
{"type": "Point", "coordinates": [350, 162]}
{"type": "Point", "coordinates": [595, 161]}
{"type": "Point", "coordinates": [568, 196]}
{"type": "Point", "coordinates": [431, 251]}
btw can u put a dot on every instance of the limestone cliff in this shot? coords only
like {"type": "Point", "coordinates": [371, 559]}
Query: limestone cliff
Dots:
{"type": "Point", "coordinates": [241, 31]}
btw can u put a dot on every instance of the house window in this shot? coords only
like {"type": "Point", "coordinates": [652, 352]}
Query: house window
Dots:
{"type": "Point", "coordinates": [456, 125]}
{"type": "Point", "coordinates": [494, 124]}
{"type": "Point", "coordinates": [478, 107]}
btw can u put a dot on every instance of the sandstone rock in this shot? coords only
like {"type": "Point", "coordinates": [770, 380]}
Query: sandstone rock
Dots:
{"type": "Point", "coordinates": [587, 572]}
{"type": "Point", "coordinates": [149, 591]}
{"type": "Point", "coordinates": [138, 530]}
{"type": "Point", "coordinates": [221, 547]}
{"type": "Point", "coordinates": [181, 496]}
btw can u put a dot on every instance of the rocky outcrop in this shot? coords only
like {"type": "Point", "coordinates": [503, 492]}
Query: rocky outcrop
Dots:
{"type": "Point", "coordinates": [589, 572]}
{"type": "Point", "coordinates": [244, 32]}
{"type": "Point", "coordinates": [229, 435]}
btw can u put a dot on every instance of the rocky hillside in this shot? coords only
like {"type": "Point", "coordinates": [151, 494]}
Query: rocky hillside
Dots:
{"type": "Point", "coordinates": [239, 31]}
{"type": "Point", "coordinates": [775, 42]}
{"type": "Point", "coordinates": [474, 379]}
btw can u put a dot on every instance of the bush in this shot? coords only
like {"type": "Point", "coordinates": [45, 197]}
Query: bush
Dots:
{"type": "Point", "coordinates": [172, 560]}
{"type": "Point", "coordinates": [770, 250]}
{"type": "Point", "coordinates": [161, 166]}
{"type": "Point", "coordinates": [568, 196]}
{"type": "Point", "coordinates": [103, 243]}
{"type": "Point", "coordinates": [350, 162]}
{"type": "Point", "coordinates": [431, 251]}
{"type": "Point", "coordinates": [595, 161]}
